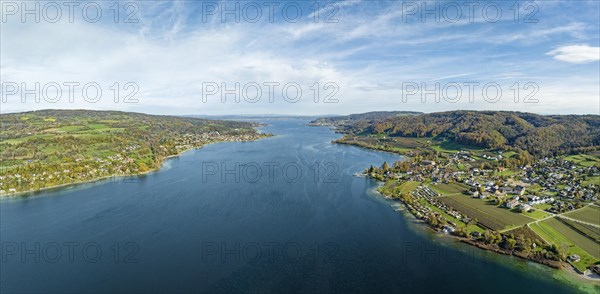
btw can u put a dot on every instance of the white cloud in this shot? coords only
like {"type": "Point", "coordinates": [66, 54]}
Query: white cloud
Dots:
{"type": "Point", "coordinates": [368, 54]}
{"type": "Point", "coordinates": [576, 53]}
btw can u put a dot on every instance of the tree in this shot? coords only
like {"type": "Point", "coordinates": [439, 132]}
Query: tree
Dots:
{"type": "Point", "coordinates": [433, 221]}
{"type": "Point", "coordinates": [510, 243]}
{"type": "Point", "coordinates": [472, 221]}
{"type": "Point", "coordinates": [385, 166]}
{"type": "Point", "coordinates": [499, 200]}
{"type": "Point", "coordinates": [480, 189]}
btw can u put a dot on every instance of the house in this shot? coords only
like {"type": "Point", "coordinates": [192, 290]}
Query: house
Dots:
{"type": "Point", "coordinates": [428, 162]}
{"type": "Point", "coordinates": [448, 229]}
{"type": "Point", "coordinates": [574, 258]}
{"type": "Point", "coordinates": [475, 234]}
{"type": "Point", "coordinates": [511, 203]}
{"type": "Point", "coordinates": [519, 190]}
{"type": "Point", "coordinates": [524, 207]}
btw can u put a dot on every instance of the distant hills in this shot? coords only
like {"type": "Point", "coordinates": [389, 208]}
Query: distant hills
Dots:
{"type": "Point", "coordinates": [356, 122]}
{"type": "Point", "coordinates": [541, 135]}
{"type": "Point", "coordinates": [373, 115]}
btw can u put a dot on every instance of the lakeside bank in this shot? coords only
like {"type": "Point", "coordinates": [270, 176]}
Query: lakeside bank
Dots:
{"type": "Point", "coordinates": [564, 271]}
{"type": "Point", "coordinates": [119, 176]}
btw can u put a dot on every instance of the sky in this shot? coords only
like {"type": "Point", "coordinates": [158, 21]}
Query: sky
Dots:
{"type": "Point", "coordinates": [301, 57]}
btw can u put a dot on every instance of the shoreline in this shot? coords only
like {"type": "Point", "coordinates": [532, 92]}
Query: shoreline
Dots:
{"type": "Point", "coordinates": [114, 176]}
{"type": "Point", "coordinates": [562, 267]}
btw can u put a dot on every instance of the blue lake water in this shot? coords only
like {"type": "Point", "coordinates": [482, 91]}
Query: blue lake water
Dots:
{"type": "Point", "coordinates": [283, 214]}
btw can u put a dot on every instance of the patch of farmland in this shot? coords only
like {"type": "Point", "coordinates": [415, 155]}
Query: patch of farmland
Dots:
{"type": "Point", "coordinates": [589, 214]}
{"type": "Point", "coordinates": [575, 237]}
{"type": "Point", "coordinates": [554, 237]}
{"type": "Point", "coordinates": [527, 233]}
{"type": "Point", "coordinates": [449, 188]}
{"type": "Point", "coordinates": [592, 232]}
{"type": "Point", "coordinates": [488, 215]}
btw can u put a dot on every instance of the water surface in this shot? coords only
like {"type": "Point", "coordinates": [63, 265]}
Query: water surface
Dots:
{"type": "Point", "coordinates": [191, 227]}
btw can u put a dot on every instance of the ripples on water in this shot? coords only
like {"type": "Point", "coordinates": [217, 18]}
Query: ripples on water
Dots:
{"type": "Point", "coordinates": [180, 230]}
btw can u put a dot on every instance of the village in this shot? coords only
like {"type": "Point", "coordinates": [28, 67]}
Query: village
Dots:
{"type": "Point", "coordinates": [551, 202]}
{"type": "Point", "coordinates": [131, 160]}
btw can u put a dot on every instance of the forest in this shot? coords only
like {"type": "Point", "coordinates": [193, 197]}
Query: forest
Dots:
{"type": "Point", "coordinates": [540, 135]}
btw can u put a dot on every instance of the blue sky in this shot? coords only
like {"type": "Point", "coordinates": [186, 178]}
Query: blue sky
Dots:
{"type": "Point", "coordinates": [368, 53]}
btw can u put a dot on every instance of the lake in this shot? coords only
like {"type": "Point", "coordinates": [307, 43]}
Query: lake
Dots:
{"type": "Point", "coordinates": [283, 214]}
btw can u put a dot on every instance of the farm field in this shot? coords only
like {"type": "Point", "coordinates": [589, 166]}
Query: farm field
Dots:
{"type": "Point", "coordinates": [471, 228]}
{"type": "Point", "coordinates": [395, 189]}
{"type": "Point", "coordinates": [584, 159]}
{"type": "Point", "coordinates": [391, 144]}
{"type": "Point", "coordinates": [447, 146]}
{"type": "Point", "coordinates": [449, 188]}
{"type": "Point", "coordinates": [409, 186]}
{"type": "Point", "coordinates": [527, 233]}
{"type": "Point", "coordinates": [589, 214]}
{"type": "Point", "coordinates": [556, 232]}
{"type": "Point", "coordinates": [588, 230]}
{"type": "Point", "coordinates": [537, 214]}
{"type": "Point", "coordinates": [488, 215]}
{"type": "Point", "coordinates": [591, 180]}
{"type": "Point", "coordinates": [578, 239]}
{"type": "Point", "coordinates": [543, 206]}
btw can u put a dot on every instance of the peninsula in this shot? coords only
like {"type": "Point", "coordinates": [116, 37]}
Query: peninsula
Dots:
{"type": "Point", "coordinates": [515, 183]}
{"type": "Point", "coordinates": [48, 148]}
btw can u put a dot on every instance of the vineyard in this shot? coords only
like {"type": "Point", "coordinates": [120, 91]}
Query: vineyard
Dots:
{"type": "Point", "coordinates": [591, 231]}
{"type": "Point", "coordinates": [488, 215]}
{"type": "Point", "coordinates": [527, 233]}
{"type": "Point", "coordinates": [590, 214]}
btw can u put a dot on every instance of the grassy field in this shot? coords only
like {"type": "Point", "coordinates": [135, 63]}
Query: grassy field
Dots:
{"type": "Point", "coordinates": [452, 188]}
{"type": "Point", "coordinates": [451, 147]}
{"type": "Point", "coordinates": [489, 215]}
{"type": "Point", "coordinates": [589, 214]}
{"type": "Point", "coordinates": [556, 232]}
{"type": "Point", "coordinates": [591, 180]}
{"type": "Point", "coordinates": [507, 172]}
{"type": "Point", "coordinates": [534, 188]}
{"type": "Point", "coordinates": [537, 214]}
{"type": "Point", "coordinates": [578, 239]}
{"type": "Point", "coordinates": [584, 159]}
{"type": "Point", "coordinates": [543, 206]}
{"type": "Point", "coordinates": [409, 186]}
{"type": "Point", "coordinates": [588, 230]}
{"type": "Point", "coordinates": [471, 228]}
{"type": "Point", "coordinates": [395, 189]}
{"type": "Point", "coordinates": [405, 144]}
